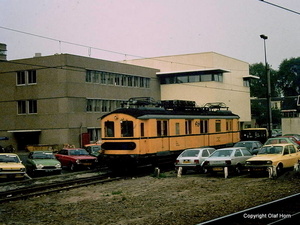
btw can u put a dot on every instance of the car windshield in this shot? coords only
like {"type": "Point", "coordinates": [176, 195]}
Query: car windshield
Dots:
{"type": "Point", "coordinates": [270, 150]}
{"type": "Point", "coordinates": [78, 152]}
{"type": "Point", "coordinates": [9, 158]}
{"type": "Point", "coordinates": [276, 141]}
{"type": "Point", "coordinates": [190, 153]}
{"type": "Point", "coordinates": [222, 153]}
{"type": "Point", "coordinates": [43, 155]}
{"type": "Point", "coordinates": [244, 144]}
{"type": "Point", "coordinates": [95, 149]}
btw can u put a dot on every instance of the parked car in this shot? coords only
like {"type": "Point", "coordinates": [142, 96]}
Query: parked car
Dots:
{"type": "Point", "coordinates": [11, 166]}
{"type": "Point", "coordinates": [42, 162]}
{"type": "Point", "coordinates": [279, 155]}
{"type": "Point", "coordinates": [191, 159]}
{"type": "Point", "coordinates": [93, 149]}
{"type": "Point", "coordinates": [293, 138]}
{"type": "Point", "coordinates": [281, 140]}
{"type": "Point", "coordinates": [233, 158]}
{"type": "Point", "coordinates": [252, 146]}
{"type": "Point", "coordinates": [75, 158]}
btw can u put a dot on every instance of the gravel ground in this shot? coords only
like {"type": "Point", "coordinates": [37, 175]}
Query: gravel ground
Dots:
{"type": "Point", "coordinates": [190, 199]}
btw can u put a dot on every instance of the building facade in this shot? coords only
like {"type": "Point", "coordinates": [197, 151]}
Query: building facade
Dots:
{"type": "Point", "coordinates": [55, 99]}
{"type": "Point", "coordinates": [205, 78]}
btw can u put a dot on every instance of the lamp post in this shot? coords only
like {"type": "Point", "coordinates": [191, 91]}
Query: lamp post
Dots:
{"type": "Point", "coordinates": [269, 109]}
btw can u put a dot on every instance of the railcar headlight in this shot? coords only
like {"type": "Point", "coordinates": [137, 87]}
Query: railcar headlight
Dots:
{"type": "Point", "coordinates": [39, 166]}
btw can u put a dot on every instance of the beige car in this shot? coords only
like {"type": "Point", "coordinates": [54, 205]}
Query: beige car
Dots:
{"type": "Point", "coordinates": [280, 156]}
{"type": "Point", "coordinates": [11, 166]}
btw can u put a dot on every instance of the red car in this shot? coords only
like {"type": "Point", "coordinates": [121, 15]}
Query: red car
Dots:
{"type": "Point", "coordinates": [75, 158]}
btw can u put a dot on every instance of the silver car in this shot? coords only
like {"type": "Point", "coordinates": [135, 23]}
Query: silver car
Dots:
{"type": "Point", "coordinates": [191, 159]}
{"type": "Point", "coordinates": [233, 158]}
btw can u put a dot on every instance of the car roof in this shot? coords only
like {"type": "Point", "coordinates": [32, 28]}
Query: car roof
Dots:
{"type": "Point", "coordinates": [12, 154]}
{"type": "Point", "coordinates": [73, 149]}
{"type": "Point", "coordinates": [280, 144]}
{"type": "Point", "coordinates": [199, 148]}
{"type": "Point", "coordinates": [42, 152]}
{"type": "Point", "coordinates": [232, 148]}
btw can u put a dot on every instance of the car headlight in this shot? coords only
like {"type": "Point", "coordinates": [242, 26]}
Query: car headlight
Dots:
{"type": "Point", "coordinates": [248, 163]}
{"type": "Point", "coordinates": [269, 162]}
{"type": "Point", "coordinates": [23, 169]}
{"type": "Point", "coordinates": [58, 165]}
{"type": "Point", "coordinates": [39, 166]}
{"type": "Point", "coordinates": [77, 161]}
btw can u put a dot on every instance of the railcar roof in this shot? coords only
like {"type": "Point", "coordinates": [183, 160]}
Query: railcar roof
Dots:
{"type": "Point", "coordinates": [161, 113]}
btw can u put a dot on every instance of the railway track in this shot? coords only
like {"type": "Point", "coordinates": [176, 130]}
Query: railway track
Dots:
{"type": "Point", "coordinates": [42, 189]}
{"type": "Point", "coordinates": [279, 212]}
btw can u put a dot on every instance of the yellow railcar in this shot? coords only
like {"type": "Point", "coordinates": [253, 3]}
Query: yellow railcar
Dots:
{"type": "Point", "coordinates": [138, 135]}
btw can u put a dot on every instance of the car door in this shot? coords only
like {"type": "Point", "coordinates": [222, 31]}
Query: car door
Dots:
{"type": "Point", "coordinates": [294, 153]}
{"type": "Point", "coordinates": [204, 155]}
{"type": "Point", "coordinates": [287, 157]}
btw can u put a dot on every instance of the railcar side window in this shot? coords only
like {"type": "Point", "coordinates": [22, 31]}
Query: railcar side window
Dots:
{"type": "Point", "coordinates": [142, 129]}
{"type": "Point", "coordinates": [203, 126]}
{"type": "Point", "coordinates": [188, 126]}
{"type": "Point", "coordinates": [229, 125]}
{"type": "Point", "coordinates": [218, 125]}
{"type": "Point", "coordinates": [109, 129]}
{"type": "Point", "coordinates": [127, 129]}
{"type": "Point", "coordinates": [162, 128]}
{"type": "Point", "coordinates": [177, 127]}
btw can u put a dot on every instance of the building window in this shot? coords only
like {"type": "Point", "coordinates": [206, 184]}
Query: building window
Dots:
{"type": "Point", "coordinates": [89, 105]}
{"type": "Point", "coordinates": [21, 78]}
{"type": "Point", "coordinates": [31, 76]}
{"type": "Point", "coordinates": [26, 77]}
{"type": "Point", "coordinates": [21, 107]}
{"type": "Point", "coordinates": [95, 77]}
{"type": "Point", "coordinates": [88, 76]}
{"type": "Point", "coordinates": [25, 106]}
{"type": "Point", "coordinates": [32, 106]}
{"type": "Point", "coordinates": [94, 134]}
{"type": "Point", "coordinates": [246, 83]}
{"type": "Point", "coordinates": [129, 81]}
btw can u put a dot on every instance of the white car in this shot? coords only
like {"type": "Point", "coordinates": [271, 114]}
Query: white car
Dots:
{"type": "Point", "coordinates": [191, 159]}
{"type": "Point", "coordinates": [233, 158]}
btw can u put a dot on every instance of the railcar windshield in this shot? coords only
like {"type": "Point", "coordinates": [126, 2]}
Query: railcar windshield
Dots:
{"type": "Point", "coordinates": [270, 150]}
{"type": "Point", "coordinates": [222, 153]}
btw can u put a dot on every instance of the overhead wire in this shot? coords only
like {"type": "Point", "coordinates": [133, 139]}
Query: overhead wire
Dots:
{"type": "Point", "coordinates": [100, 49]}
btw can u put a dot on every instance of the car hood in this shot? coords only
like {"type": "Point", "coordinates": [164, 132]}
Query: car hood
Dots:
{"type": "Point", "coordinates": [264, 157]}
{"type": "Point", "coordinates": [11, 165]}
{"type": "Point", "coordinates": [82, 157]}
{"type": "Point", "coordinates": [46, 162]}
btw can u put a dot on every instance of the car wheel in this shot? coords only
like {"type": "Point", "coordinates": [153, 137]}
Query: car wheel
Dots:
{"type": "Point", "coordinates": [238, 169]}
{"type": "Point", "coordinates": [279, 169]}
{"type": "Point", "coordinates": [72, 167]}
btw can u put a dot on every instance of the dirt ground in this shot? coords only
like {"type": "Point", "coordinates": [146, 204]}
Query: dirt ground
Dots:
{"type": "Point", "coordinates": [190, 199]}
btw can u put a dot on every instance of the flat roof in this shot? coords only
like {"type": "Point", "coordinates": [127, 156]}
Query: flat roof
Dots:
{"type": "Point", "coordinates": [215, 70]}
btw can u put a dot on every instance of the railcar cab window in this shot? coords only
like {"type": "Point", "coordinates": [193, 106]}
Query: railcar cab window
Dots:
{"type": "Point", "coordinates": [109, 129]}
{"type": "Point", "coordinates": [127, 129]}
{"type": "Point", "coordinates": [162, 128]}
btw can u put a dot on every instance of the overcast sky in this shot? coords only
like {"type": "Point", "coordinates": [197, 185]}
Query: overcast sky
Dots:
{"type": "Point", "coordinates": [120, 29]}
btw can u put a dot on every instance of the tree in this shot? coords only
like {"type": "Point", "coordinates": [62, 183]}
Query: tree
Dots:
{"type": "Point", "coordinates": [288, 77]}
{"type": "Point", "coordinates": [258, 87]}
